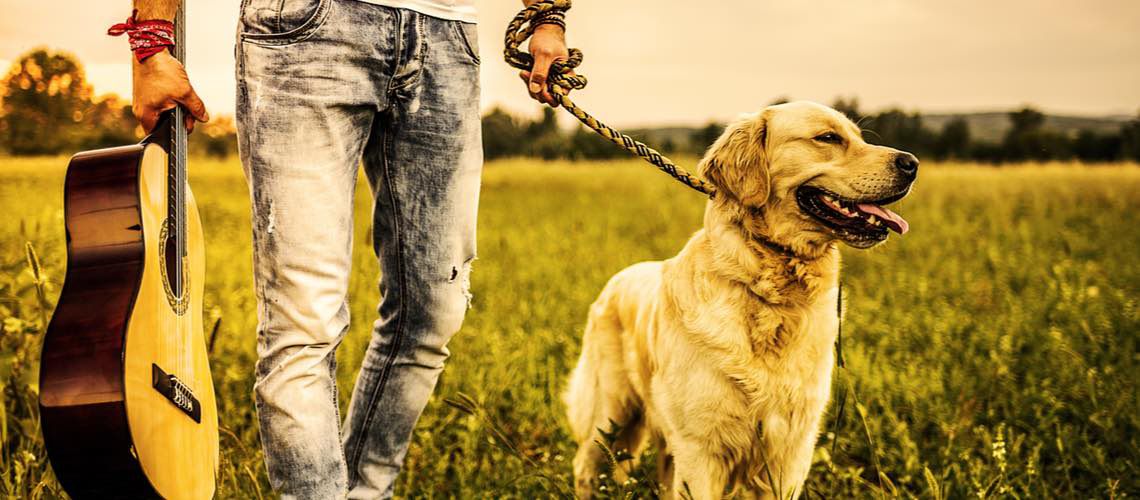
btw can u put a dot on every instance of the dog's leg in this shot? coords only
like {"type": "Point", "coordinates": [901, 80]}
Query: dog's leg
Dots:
{"type": "Point", "coordinates": [699, 475]}
{"type": "Point", "coordinates": [612, 412]}
{"type": "Point", "coordinates": [788, 457]}
{"type": "Point", "coordinates": [664, 467]}
{"type": "Point", "coordinates": [632, 442]}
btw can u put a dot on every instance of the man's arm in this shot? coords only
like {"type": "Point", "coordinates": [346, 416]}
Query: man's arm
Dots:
{"type": "Point", "coordinates": [547, 44]}
{"type": "Point", "coordinates": [160, 81]}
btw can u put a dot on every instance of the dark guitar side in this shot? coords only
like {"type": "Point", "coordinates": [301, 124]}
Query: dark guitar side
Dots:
{"type": "Point", "coordinates": [82, 398]}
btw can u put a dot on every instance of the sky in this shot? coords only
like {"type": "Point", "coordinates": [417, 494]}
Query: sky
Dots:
{"type": "Point", "coordinates": [682, 62]}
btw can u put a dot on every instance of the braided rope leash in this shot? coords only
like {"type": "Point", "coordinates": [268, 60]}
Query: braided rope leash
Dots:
{"type": "Point", "coordinates": [562, 79]}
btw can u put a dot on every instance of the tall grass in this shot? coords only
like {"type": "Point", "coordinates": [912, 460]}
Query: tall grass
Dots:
{"type": "Point", "coordinates": [992, 352]}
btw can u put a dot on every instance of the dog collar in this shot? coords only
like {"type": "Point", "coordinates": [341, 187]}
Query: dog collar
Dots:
{"type": "Point", "coordinates": [776, 247]}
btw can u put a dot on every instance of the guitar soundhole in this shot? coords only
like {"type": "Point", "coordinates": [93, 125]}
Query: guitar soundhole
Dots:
{"type": "Point", "coordinates": [175, 279]}
{"type": "Point", "coordinates": [173, 269]}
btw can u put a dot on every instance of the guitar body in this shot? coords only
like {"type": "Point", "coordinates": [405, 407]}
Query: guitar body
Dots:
{"type": "Point", "coordinates": [126, 398]}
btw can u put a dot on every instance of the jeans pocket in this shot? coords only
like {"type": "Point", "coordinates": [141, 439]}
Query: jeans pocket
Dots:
{"type": "Point", "coordinates": [468, 36]}
{"type": "Point", "coordinates": [279, 22]}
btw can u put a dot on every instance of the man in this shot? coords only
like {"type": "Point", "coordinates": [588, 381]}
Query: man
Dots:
{"type": "Point", "coordinates": [321, 86]}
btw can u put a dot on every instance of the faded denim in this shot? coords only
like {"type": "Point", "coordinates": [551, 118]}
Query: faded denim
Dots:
{"type": "Point", "coordinates": [323, 84]}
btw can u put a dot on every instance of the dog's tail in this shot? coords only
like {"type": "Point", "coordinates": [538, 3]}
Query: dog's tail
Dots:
{"type": "Point", "coordinates": [585, 394]}
{"type": "Point", "coordinates": [600, 393]}
{"type": "Point", "coordinates": [582, 391]}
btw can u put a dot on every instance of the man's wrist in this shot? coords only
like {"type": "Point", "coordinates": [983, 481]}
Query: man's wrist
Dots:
{"type": "Point", "coordinates": [151, 61]}
{"type": "Point", "coordinates": [552, 28]}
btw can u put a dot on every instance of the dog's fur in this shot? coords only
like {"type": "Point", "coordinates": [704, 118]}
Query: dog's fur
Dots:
{"type": "Point", "coordinates": [722, 355]}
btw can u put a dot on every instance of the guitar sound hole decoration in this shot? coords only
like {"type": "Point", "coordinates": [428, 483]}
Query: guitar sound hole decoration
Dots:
{"type": "Point", "coordinates": [175, 279]}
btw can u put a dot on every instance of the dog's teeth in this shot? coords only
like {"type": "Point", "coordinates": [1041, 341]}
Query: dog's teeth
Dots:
{"type": "Point", "coordinates": [873, 220]}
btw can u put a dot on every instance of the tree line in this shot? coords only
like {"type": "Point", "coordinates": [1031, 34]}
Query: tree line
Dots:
{"type": "Point", "coordinates": [1026, 138]}
{"type": "Point", "coordinates": [47, 107]}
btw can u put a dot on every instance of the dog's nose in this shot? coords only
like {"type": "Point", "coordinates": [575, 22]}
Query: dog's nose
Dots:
{"type": "Point", "coordinates": [907, 164]}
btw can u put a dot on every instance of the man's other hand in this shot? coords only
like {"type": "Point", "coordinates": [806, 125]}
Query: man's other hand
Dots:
{"type": "Point", "coordinates": [547, 44]}
{"type": "Point", "coordinates": [160, 83]}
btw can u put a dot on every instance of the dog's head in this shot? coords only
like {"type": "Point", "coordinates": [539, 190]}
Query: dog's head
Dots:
{"type": "Point", "coordinates": [801, 176]}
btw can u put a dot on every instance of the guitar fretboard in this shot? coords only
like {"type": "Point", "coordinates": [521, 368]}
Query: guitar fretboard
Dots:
{"type": "Point", "coordinates": [176, 168]}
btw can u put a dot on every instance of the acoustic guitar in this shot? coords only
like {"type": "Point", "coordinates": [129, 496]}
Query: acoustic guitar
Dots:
{"type": "Point", "coordinates": [126, 399]}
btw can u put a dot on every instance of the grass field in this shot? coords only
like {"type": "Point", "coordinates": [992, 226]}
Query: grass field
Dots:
{"type": "Point", "coordinates": [992, 352]}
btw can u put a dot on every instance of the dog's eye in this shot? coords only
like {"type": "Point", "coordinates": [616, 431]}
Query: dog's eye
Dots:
{"type": "Point", "coordinates": [829, 137]}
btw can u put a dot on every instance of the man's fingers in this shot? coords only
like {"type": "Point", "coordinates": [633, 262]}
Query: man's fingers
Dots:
{"type": "Point", "coordinates": [543, 93]}
{"type": "Point", "coordinates": [538, 72]}
{"type": "Point", "coordinates": [148, 116]}
{"type": "Point", "coordinates": [148, 120]}
{"type": "Point", "coordinates": [194, 105]}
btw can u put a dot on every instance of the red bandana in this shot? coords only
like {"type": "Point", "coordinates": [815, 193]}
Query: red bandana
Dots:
{"type": "Point", "coordinates": [148, 37]}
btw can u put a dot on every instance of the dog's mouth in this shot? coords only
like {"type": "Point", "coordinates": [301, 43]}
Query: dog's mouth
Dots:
{"type": "Point", "coordinates": [860, 224]}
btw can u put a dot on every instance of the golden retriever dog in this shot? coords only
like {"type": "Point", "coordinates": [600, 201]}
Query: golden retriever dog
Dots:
{"type": "Point", "coordinates": [722, 355]}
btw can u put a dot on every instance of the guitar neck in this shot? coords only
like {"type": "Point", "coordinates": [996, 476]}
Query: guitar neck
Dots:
{"type": "Point", "coordinates": [179, 52]}
{"type": "Point", "coordinates": [177, 146]}
{"type": "Point", "coordinates": [178, 132]}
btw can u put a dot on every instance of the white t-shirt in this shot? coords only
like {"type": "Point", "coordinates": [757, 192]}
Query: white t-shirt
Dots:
{"type": "Point", "coordinates": [455, 10]}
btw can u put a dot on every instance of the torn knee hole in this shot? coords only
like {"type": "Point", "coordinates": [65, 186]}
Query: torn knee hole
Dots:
{"type": "Point", "coordinates": [462, 274]}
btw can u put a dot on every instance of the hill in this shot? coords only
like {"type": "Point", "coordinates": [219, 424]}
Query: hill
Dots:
{"type": "Point", "coordinates": [987, 126]}
{"type": "Point", "coordinates": [991, 126]}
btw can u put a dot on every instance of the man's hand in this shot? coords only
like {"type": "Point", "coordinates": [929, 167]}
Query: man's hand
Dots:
{"type": "Point", "coordinates": [160, 83]}
{"type": "Point", "coordinates": [547, 44]}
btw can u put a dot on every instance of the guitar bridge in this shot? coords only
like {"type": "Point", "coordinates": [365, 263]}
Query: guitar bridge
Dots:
{"type": "Point", "coordinates": [176, 392]}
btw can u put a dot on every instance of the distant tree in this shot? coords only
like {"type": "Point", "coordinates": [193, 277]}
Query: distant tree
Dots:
{"type": "Point", "coordinates": [549, 147]}
{"type": "Point", "coordinates": [1130, 140]}
{"type": "Point", "coordinates": [107, 122]}
{"type": "Point", "coordinates": [1091, 146]}
{"type": "Point", "coordinates": [45, 95]}
{"type": "Point", "coordinates": [954, 141]}
{"type": "Point", "coordinates": [848, 106]}
{"type": "Point", "coordinates": [1027, 138]}
{"type": "Point", "coordinates": [585, 144]}
{"type": "Point", "coordinates": [216, 139]}
{"type": "Point", "coordinates": [1026, 120]}
{"type": "Point", "coordinates": [898, 129]}
{"type": "Point", "coordinates": [704, 137]}
{"type": "Point", "coordinates": [502, 135]}
{"type": "Point", "coordinates": [543, 139]}
{"type": "Point", "coordinates": [546, 126]}
{"type": "Point", "coordinates": [48, 108]}
{"type": "Point", "coordinates": [988, 152]}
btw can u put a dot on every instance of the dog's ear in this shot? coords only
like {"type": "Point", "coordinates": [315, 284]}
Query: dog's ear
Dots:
{"type": "Point", "coordinates": [737, 163]}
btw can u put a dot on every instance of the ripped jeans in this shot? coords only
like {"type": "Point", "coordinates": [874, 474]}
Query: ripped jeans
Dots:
{"type": "Point", "coordinates": [323, 87]}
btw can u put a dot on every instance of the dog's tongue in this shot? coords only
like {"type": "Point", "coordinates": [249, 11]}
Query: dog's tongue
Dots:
{"type": "Point", "coordinates": [893, 220]}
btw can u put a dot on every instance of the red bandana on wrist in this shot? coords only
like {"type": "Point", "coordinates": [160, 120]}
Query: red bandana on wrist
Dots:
{"type": "Point", "coordinates": [147, 37]}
